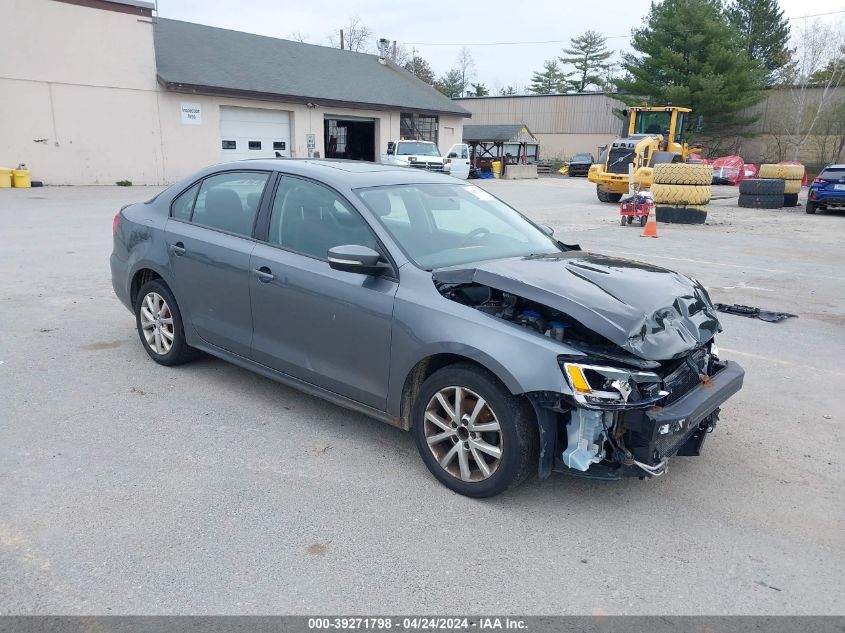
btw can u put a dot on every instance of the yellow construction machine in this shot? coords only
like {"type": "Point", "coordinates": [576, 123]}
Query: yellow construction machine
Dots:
{"type": "Point", "coordinates": [650, 135]}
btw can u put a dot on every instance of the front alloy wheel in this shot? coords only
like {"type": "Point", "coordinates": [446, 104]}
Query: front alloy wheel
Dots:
{"type": "Point", "coordinates": [473, 434]}
{"type": "Point", "coordinates": [463, 433]}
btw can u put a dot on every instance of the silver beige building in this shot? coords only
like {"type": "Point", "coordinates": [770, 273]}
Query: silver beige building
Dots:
{"type": "Point", "coordinates": [96, 91]}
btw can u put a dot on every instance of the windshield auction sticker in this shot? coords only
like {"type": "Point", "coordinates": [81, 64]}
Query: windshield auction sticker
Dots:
{"type": "Point", "coordinates": [478, 192]}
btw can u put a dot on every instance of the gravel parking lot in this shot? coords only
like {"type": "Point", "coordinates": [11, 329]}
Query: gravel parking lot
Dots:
{"type": "Point", "coordinates": [128, 488]}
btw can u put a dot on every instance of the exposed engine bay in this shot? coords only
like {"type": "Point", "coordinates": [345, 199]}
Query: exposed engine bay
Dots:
{"type": "Point", "coordinates": [622, 417]}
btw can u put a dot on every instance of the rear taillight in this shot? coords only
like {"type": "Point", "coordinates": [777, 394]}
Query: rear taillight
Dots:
{"type": "Point", "coordinates": [115, 223]}
{"type": "Point", "coordinates": [818, 181]}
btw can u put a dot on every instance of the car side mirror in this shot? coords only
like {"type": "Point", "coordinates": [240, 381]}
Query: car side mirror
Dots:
{"type": "Point", "coordinates": [452, 155]}
{"type": "Point", "coordinates": [547, 229]}
{"type": "Point", "coordinates": [353, 258]}
{"type": "Point", "coordinates": [390, 148]}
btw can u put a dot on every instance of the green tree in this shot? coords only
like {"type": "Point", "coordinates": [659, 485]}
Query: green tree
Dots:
{"type": "Point", "coordinates": [506, 92]}
{"type": "Point", "coordinates": [451, 84]}
{"type": "Point", "coordinates": [764, 33]}
{"type": "Point", "coordinates": [690, 56]}
{"type": "Point", "coordinates": [420, 68]}
{"type": "Point", "coordinates": [479, 90]}
{"type": "Point", "coordinates": [588, 54]}
{"type": "Point", "coordinates": [833, 74]}
{"type": "Point", "coordinates": [548, 81]}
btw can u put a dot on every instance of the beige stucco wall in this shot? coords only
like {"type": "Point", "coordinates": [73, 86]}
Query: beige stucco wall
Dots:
{"type": "Point", "coordinates": [80, 103]}
{"type": "Point", "coordinates": [74, 110]}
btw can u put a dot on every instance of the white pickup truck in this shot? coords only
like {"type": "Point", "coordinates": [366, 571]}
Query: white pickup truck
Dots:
{"type": "Point", "coordinates": [425, 155]}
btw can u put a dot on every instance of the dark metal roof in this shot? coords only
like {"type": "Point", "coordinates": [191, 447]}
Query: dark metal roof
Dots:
{"type": "Point", "coordinates": [193, 57]}
{"type": "Point", "coordinates": [498, 133]}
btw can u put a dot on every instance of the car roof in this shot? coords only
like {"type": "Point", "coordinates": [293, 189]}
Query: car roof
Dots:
{"type": "Point", "coordinates": [836, 166]}
{"type": "Point", "coordinates": [350, 174]}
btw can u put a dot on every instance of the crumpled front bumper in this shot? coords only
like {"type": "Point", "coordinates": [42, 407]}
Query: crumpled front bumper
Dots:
{"type": "Point", "coordinates": [648, 437]}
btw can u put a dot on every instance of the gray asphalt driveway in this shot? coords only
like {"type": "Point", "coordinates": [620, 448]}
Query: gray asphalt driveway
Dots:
{"type": "Point", "coordinates": [126, 487]}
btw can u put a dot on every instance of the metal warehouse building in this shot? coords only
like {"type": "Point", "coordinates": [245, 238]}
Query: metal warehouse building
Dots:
{"type": "Point", "coordinates": [562, 124]}
{"type": "Point", "coordinates": [96, 91]}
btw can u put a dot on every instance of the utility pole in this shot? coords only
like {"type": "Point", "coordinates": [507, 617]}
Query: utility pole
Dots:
{"type": "Point", "coordinates": [341, 39]}
{"type": "Point", "coordinates": [394, 51]}
{"type": "Point", "coordinates": [414, 58]}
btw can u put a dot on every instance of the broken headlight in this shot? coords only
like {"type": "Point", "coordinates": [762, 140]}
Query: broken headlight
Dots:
{"type": "Point", "coordinates": [596, 386]}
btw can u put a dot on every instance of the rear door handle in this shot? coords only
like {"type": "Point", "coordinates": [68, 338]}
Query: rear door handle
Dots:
{"type": "Point", "coordinates": [264, 274]}
{"type": "Point", "coordinates": [177, 249]}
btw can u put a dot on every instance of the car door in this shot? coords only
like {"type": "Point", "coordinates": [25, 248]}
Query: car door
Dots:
{"type": "Point", "coordinates": [326, 327]}
{"type": "Point", "coordinates": [209, 242]}
{"type": "Point", "coordinates": [459, 167]}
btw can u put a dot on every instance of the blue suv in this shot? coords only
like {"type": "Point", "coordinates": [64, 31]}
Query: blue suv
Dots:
{"type": "Point", "coordinates": [828, 189]}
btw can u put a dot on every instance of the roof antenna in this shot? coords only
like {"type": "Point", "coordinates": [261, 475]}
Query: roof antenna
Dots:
{"type": "Point", "coordinates": [383, 45]}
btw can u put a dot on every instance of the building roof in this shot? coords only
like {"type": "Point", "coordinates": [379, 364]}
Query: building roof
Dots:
{"type": "Point", "coordinates": [516, 133]}
{"type": "Point", "coordinates": [194, 57]}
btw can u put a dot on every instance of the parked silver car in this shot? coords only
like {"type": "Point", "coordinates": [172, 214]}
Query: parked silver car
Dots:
{"type": "Point", "coordinates": [427, 303]}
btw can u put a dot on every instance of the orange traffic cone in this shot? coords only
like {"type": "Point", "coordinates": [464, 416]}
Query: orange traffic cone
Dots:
{"type": "Point", "coordinates": [650, 228]}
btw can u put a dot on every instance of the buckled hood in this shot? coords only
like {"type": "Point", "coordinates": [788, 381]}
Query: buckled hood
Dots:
{"type": "Point", "coordinates": [654, 313]}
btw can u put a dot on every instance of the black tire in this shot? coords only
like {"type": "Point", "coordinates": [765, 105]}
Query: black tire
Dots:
{"type": "Point", "coordinates": [790, 199]}
{"type": "Point", "coordinates": [605, 196]}
{"type": "Point", "coordinates": [179, 352]}
{"type": "Point", "coordinates": [761, 201]}
{"type": "Point", "coordinates": [644, 219]}
{"type": "Point", "coordinates": [811, 207]}
{"type": "Point", "coordinates": [518, 434]}
{"type": "Point", "coordinates": [762, 187]}
{"type": "Point", "coordinates": [681, 215]}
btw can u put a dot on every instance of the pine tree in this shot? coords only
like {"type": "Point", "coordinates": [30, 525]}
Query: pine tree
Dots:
{"type": "Point", "coordinates": [690, 56]}
{"type": "Point", "coordinates": [420, 68]}
{"type": "Point", "coordinates": [479, 90]}
{"type": "Point", "coordinates": [764, 31]}
{"type": "Point", "coordinates": [588, 54]}
{"type": "Point", "coordinates": [550, 81]}
{"type": "Point", "coordinates": [451, 84]}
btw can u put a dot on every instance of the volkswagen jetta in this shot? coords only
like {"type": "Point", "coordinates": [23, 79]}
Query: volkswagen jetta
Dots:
{"type": "Point", "coordinates": [431, 305]}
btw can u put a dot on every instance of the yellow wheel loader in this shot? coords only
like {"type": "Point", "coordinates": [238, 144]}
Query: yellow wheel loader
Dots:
{"type": "Point", "coordinates": [650, 135]}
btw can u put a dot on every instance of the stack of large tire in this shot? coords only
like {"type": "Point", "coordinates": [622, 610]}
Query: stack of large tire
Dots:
{"type": "Point", "coordinates": [761, 193]}
{"type": "Point", "coordinates": [792, 175]}
{"type": "Point", "coordinates": [681, 192]}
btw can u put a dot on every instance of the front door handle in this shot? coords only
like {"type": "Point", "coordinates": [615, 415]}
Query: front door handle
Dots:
{"type": "Point", "coordinates": [177, 249]}
{"type": "Point", "coordinates": [264, 274]}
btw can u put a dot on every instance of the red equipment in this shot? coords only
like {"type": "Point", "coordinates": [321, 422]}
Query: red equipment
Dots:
{"type": "Point", "coordinates": [636, 206]}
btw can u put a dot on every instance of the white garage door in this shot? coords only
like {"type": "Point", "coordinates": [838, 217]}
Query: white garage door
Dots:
{"type": "Point", "coordinates": [254, 133]}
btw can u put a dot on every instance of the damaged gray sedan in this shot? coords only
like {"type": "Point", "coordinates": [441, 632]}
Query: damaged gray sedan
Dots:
{"type": "Point", "coordinates": [429, 304]}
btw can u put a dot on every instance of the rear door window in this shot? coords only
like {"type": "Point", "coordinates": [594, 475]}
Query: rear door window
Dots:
{"type": "Point", "coordinates": [183, 206]}
{"type": "Point", "coordinates": [229, 202]}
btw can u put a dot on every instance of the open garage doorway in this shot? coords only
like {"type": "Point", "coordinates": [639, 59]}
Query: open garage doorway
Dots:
{"type": "Point", "coordinates": [350, 137]}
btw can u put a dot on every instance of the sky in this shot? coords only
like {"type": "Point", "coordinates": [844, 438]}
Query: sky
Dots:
{"type": "Point", "coordinates": [437, 29]}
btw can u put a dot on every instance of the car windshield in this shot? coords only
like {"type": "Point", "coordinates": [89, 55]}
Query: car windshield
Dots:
{"type": "Point", "coordinates": [582, 157]}
{"type": "Point", "coordinates": [412, 148]}
{"type": "Point", "coordinates": [442, 225]}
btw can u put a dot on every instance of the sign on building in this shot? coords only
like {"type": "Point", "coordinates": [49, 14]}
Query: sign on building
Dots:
{"type": "Point", "coordinates": [191, 113]}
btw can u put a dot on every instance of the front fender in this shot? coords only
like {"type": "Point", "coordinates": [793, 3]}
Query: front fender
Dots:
{"type": "Point", "coordinates": [522, 359]}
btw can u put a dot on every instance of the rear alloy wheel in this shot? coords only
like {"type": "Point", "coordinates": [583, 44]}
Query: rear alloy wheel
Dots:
{"type": "Point", "coordinates": [159, 324]}
{"type": "Point", "coordinates": [473, 435]}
